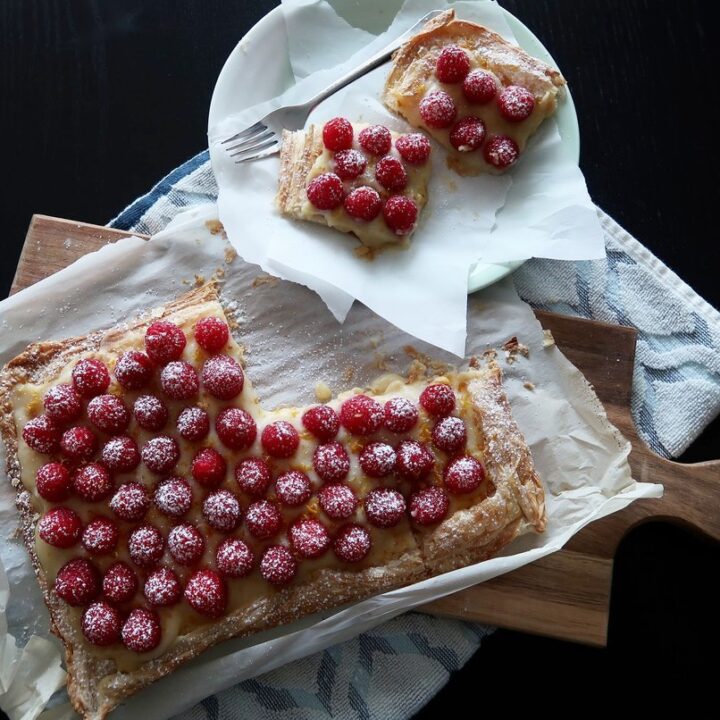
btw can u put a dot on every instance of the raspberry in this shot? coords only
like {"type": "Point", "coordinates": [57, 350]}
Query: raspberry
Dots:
{"type": "Point", "coordinates": [208, 467]}
{"type": "Point", "coordinates": [501, 151]}
{"type": "Point", "coordinates": [467, 134]}
{"type": "Point", "coordinates": [133, 370]}
{"type": "Point", "coordinates": [222, 510]}
{"type": "Point", "coordinates": [352, 543]}
{"type": "Point", "coordinates": [120, 454]}
{"type": "Point", "coordinates": [146, 546]}
{"type": "Point", "coordinates": [119, 583]}
{"type": "Point", "coordinates": [278, 566]}
{"type": "Point", "coordinates": [349, 164]}
{"type": "Point", "coordinates": [173, 497]}
{"type": "Point", "coordinates": [90, 377]}
{"type": "Point", "coordinates": [62, 403]}
{"type": "Point", "coordinates": [361, 415]}
{"type": "Point", "coordinates": [331, 462]}
{"type": "Point", "coordinates": [92, 482]}
{"type": "Point", "coordinates": [414, 460]}
{"type": "Point", "coordinates": [212, 334]}
{"type": "Point", "coordinates": [363, 203]}
{"type": "Point", "coordinates": [235, 428]}
{"type": "Point", "coordinates": [377, 459]}
{"type": "Point", "coordinates": [100, 536]}
{"type": "Point", "coordinates": [130, 502]}
{"type": "Point", "coordinates": [78, 443]}
{"type": "Point", "coordinates": [280, 439]}
{"type": "Point", "coordinates": [164, 341]}
{"type": "Point", "coordinates": [162, 588]}
{"type": "Point", "coordinates": [160, 454]}
{"type": "Point", "coordinates": [438, 400]}
{"type": "Point", "coordinates": [390, 173]}
{"type": "Point", "coordinates": [463, 475]}
{"type": "Point", "coordinates": [479, 87]}
{"type": "Point", "coordinates": [309, 538]}
{"type": "Point", "coordinates": [60, 527]}
{"type": "Point", "coordinates": [337, 134]}
{"type": "Point", "coordinates": [206, 593]}
{"type": "Point", "coordinates": [78, 582]}
{"type": "Point", "coordinates": [437, 109]}
{"type": "Point", "coordinates": [193, 424]}
{"type": "Point", "coordinates": [186, 544]}
{"type": "Point", "coordinates": [253, 476]}
{"type": "Point", "coordinates": [414, 148]}
{"type": "Point", "coordinates": [223, 377]}
{"type": "Point", "coordinates": [326, 191]}
{"type": "Point", "coordinates": [384, 507]}
{"type": "Point", "coordinates": [322, 421]}
{"type": "Point", "coordinates": [452, 65]}
{"type": "Point", "coordinates": [450, 434]}
{"type": "Point", "coordinates": [234, 558]}
{"type": "Point", "coordinates": [141, 631]}
{"type": "Point", "coordinates": [400, 214]}
{"type": "Point", "coordinates": [53, 482]}
{"type": "Point", "coordinates": [150, 412]}
{"type": "Point", "coordinates": [338, 501]}
{"type": "Point", "coordinates": [42, 434]}
{"type": "Point", "coordinates": [293, 488]}
{"type": "Point", "coordinates": [109, 414]}
{"type": "Point", "coordinates": [179, 380]}
{"type": "Point", "coordinates": [375, 139]}
{"type": "Point", "coordinates": [101, 624]}
{"type": "Point", "coordinates": [515, 103]}
{"type": "Point", "coordinates": [263, 519]}
{"type": "Point", "coordinates": [429, 505]}
{"type": "Point", "coordinates": [401, 415]}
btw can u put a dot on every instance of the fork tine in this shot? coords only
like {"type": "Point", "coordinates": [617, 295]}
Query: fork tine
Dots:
{"type": "Point", "coordinates": [269, 149]}
{"type": "Point", "coordinates": [250, 142]}
{"type": "Point", "coordinates": [257, 127]}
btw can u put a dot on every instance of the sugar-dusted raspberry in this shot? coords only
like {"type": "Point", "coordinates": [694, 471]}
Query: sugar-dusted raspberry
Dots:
{"type": "Point", "coordinates": [438, 399]}
{"type": "Point", "coordinates": [280, 439]}
{"type": "Point", "coordinates": [501, 151]}
{"type": "Point", "coordinates": [338, 501]}
{"type": "Point", "coordinates": [53, 482]}
{"type": "Point", "coordinates": [349, 164]}
{"type": "Point", "coordinates": [160, 454]}
{"type": "Point", "coordinates": [337, 134]}
{"type": "Point", "coordinates": [516, 103]}
{"type": "Point", "coordinates": [193, 424]}
{"type": "Point", "coordinates": [363, 203]}
{"type": "Point", "coordinates": [326, 191]}
{"type": "Point", "coordinates": [467, 134]}
{"type": "Point", "coordinates": [377, 459]}
{"type": "Point", "coordinates": [120, 454]}
{"type": "Point", "coordinates": [119, 583]}
{"type": "Point", "coordinates": [322, 421]}
{"type": "Point", "coordinates": [235, 428]}
{"type": "Point", "coordinates": [130, 502]}
{"type": "Point", "coordinates": [414, 460]}
{"type": "Point", "coordinates": [62, 403]}
{"type": "Point", "coordinates": [352, 543]}
{"type": "Point", "coordinates": [223, 377]}
{"type": "Point", "coordinates": [384, 507]}
{"type": "Point", "coordinates": [78, 582]}
{"type": "Point", "coordinates": [400, 214]}
{"type": "Point", "coordinates": [309, 537]}
{"type": "Point", "coordinates": [164, 341]}
{"type": "Point", "coordinates": [234, 558]}
{"type": "Point", "coordinates": [42, 434]}
{"type": "Point", "coordinates": [173, 497]}
{"type": "Point", "coordinates": [206, 593]}
{"type": "Point", "coordinates": [133, 370]}
{"type": "Point", "coordinates": [162, 588]}
{"type": "Point", "coordinates": [100, 536]}
{"type": "Point", "coordinates": [211, 334]}
{"type": "Point", "coordinates": [150, 412]}
{"type": "Point", "coordinates": [208, 467]}
{"type": "Point", "coordinates": [375, 139]}
{"type": "Point", "coordinates": [222, 510]}
{"type": "Point", "coordinates": [253, 476]}
{"type": "Point", "coordinates": [92, 482]}
{"type": "Point", "coordinates": [331, 462]}
{"type": "Point", "coordinates": [450, 434]}
{"type": "Point", "coordinates": [293, 488]}
{"type": "Point", "coordinates": [401, 415]}
{"type": "Point", "coordinates": [101, 624]}
{"type": "Point", "coordinates": [429, 505]}
{"type": "Point", "coordinates": [146, 545]}
{"type": "Point", "coordinates": [263, 519]}
{"type": "Point", "coordinates": [278, 566]}
{"type": "Point", "coordinates": [141, 631]}
{"type": "Point", "coordinates": [78, 443]}
{"type": "Point", "coordinates": [390, 173]}
{"type": "Point", "coordinates": [90, 377]}
{"type": "Point", "coordinates": [186, 544]}
{"type": "Point", "coordinates": [361, 415]}
{"type": "Point", "coordinates": [453, 64]}
{"type": "Point", "coordinates": [179, 380]}
{"type": "Point", "coordinates": [437, 109]}
{"type": "Point", "coordinates": [479, 87]}
{"type": "Point", "coordinates": [109, 414]}
{"type": "Point", "coordinates": [60, 527]}
{"type": "Point", "coordinates": [414, 148]}
{"type": "Point", "coordinates": [463, 475]}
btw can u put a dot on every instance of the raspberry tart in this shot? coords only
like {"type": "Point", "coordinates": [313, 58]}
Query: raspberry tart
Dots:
{"type": "Point", "coordinates": [170, 541]}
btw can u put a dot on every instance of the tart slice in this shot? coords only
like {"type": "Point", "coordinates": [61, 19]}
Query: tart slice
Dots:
{"type": "Point", "coordinates": [478, 95]}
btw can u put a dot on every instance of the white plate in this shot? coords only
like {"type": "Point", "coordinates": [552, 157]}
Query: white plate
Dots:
{"type": "Point", "coordinates": [265, 46]}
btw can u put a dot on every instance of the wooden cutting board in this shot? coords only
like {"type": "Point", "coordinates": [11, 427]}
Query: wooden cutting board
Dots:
{"type": "Point", "coordinates": [565, 595]}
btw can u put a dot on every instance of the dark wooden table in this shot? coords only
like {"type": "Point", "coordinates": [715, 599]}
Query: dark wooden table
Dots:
{"type": "Point", "coordinates": [99, 100]}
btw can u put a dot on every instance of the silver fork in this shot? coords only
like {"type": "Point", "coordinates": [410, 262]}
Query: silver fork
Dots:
{"type": "Point", "coordinates": [264, 137]}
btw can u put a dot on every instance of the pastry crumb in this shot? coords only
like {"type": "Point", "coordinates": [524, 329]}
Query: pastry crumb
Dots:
{"type": "Point", "coordinates": [452, 185]}
{"type": "Point", "coordinates": [364, 253]}
{"type": "Point", "coordinates": [199, 280]}
{"type": "Point", "coordinates": [230, 255]}
{"type": "Point", "coordinates": [380, 362]}
{"type": "Point", "coordinates": [214, 226]}
{"type": "Point", "coordinates": [548, 339]}
{"type": "Point", "coordinates": [436, 366]}
{"type": "Point", "coordinates": [322, 392]}
{"type": "Point", "coordinates": [260, 280]}
{"type": "Point", "coordinates": [528, 385]}
{"type": "Point", "coordinates": [514, 348]}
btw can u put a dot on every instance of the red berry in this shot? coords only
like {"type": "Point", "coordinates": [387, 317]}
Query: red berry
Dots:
{"type": "Point", "coordinates": [78, 582]}
{"type": "Point", "coordinates": [206, 593]}
{"type": "Point", "coordinates": [438, 400]}
{"type": "Point", "coordinates": [337, 134]}
{"type": "Point", "coordinates": [349, 164]}
{"type": "Point", "coordinates": [263, 519]}
{"type": "Point", "coordinates": [452, 65]}
{"type": "Point", "coordinates": [101, 624]}
{"type": "Point", "coordinates": [222, 510]}
{"type": "Point", "coordinates": [119, 583]}
{"type": "Point", "coordinates": [53, 482]}
{"type": "Point", "coordinates": [212, 334]}
{"type": "Point", "coordinates": [429, 505]}
{"type": "Point", "coordinates": [78, 443]}
{"type": "Point", "coordinates": [130, 502]}
{"type": "Point", "coordinates": [516, 103]}
{"type": "Point", "coordinates": [467, 134]}
{"type": "Point", "coordinates": [363, 203]}
{"type": "Point", "coordinates": [150, 412]}
{"type": "Point", "coordinates": [501, 151]}
{"type": "Point", "coordinates": [375, 139]}
{"type": "Point", "coordinates": [193, 424]}
{"type": "Point", "coordinates": [390, 173]}
{"type": "Point", "coordinates": [162, 588]}
{"type": "Point", "coordinates": [401, 415]}
{"type": "Point", "coordinates": [160, 454]}
{"type": "Point", "coordinates": [352, 543]}
{"type": "Point", "coordinates": [42, 434]}
{"type": "Point", "coordinates": [278, 566]}
{"type": "Point", "coordinates": [120, 454]}
{"type": "Point", "coordinates": [62, 403]}
{"type": "Point", "coordinates": [208, 467]}
{"type": "Point", "coordinates": [331, 462]}
{"type": "Point", "coordinates": [141, 631]}
{"type": "Point", "coordinates": [179, 380]}
{"type": "Point", "coordinates": [414, 148]}
{"type": "Point", "coordinates": [109, 414]}
{"type": "Point", "coordinates": [146, 546]}
{"type": "Point", "coordinates": [361, 415]}
{"type": "Point", "coordinates": [223, 377]}
{"type": "Point", "coordinates": [92, 482]}
{"type": "Point", "coordinates": [133, 370]}
{"type": "Point", "coordinates": [234, 558]}
{"type": "Point", "coordinates": [164, 341]}
{"type": "Point", "coordinates": [322, 421]}
{"type": "Point", "coordinates": [186, 544]}
{"type": "Point", "coordinates": [309, 538]}
{"type": "Point", "coordinates": [463, 475]}
{"type": "Point", "coordinates": [414, 460]}
{"type": "Point", "coordinates": [60, 527]}
{"type": "Point", "coordinates": [280, 439]}
{"type": "Point", "coordinates": [253, 476]}
{"type": "Point", "coordinates": [173, 497]}
{"type": "Point", "coordinates": [100, 536]}
{"type": "Point", "coordinates": [338, 501]}
{"type": "Point", "coordinates": [450, 434]}
{"type": "Point", "coordinates": [437, 109]}
{"type": "Point", "coordinates": [377, 459]}
{"type": "Point", "coordinates": [479, 87]}
{"type": "Point", "coordinates": [90, 377]}
{"type": "Point", "coordinates": [400, 214]}
{"type": "Point", "coordinates": [384, 507]}
{"type": "Point", "coordinates": [326, 191]}
{"type": "Point", "coordinates": [235, 428]}
{"type": "Point", "coordinates": [293, 488]}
